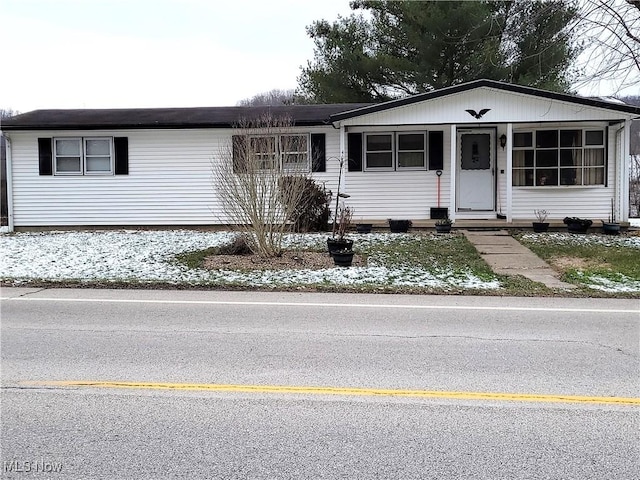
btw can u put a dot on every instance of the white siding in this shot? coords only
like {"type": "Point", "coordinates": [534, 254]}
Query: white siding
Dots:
{"type": "Point", "coordinates": [169, 181]}
{"type": "Point", "coordinates": [399, 194]}
{"type": "Point", "coordinates": [504, 107]}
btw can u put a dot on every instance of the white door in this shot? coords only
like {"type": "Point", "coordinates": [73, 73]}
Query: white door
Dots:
{"type": "Point", "coordinates": [475, 189]}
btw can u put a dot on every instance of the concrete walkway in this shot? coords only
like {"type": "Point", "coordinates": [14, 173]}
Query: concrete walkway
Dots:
{"type": "Point", "coordinates": [506, 256]}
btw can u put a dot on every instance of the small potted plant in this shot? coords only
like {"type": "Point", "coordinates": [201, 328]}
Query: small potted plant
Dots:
{"type": "Point", "coordinates": [577, 225]}
{"type": "Point", "coordinates": [541, 225]}
{"type": "Point", "coordinates": [611, 227]}
{"type": "Point", "coordinates": [341, 226]}
{"type": "Point", "coordinates": [399, 226]}
{"type": "Point", "coordinates": [443, 225]}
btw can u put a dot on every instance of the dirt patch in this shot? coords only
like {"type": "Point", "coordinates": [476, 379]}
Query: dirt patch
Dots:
{"type": "Point", "coordinates": [288, 261]}
{"type": "Point", "coordinates": [566, 263]}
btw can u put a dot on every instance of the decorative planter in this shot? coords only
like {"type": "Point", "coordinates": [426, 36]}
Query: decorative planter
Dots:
{"type": "Point", "coordinates": [399, 226]}
{"type": "Point", "coordinates": [443, 228]}
{"type": "Point", "coordinates": [364, 227]}
{"type": "Point", "coordinates": [333, 245]}
{"type": "Point", "coordinates": [577, 225]}
{"type": "Point", "coordinates": [611, 228]}
{"type": "Point", "coordinates": [540, 227]}
{"type": "Point", "coordinates": [343, 258]}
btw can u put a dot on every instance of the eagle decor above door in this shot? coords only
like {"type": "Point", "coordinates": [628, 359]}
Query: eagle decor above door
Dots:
{"type": "Point", "coordinates": [479, 114]}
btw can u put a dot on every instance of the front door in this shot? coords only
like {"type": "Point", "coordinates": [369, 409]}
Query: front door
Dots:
{"type": "Point", "coordinates": [476, 159]}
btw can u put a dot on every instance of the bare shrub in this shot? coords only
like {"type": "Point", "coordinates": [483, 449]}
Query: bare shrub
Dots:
{"type": "Point", "coordinates": [248, 174]}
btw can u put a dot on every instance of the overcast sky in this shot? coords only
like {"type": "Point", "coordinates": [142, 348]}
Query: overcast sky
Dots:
{"type": "Point", "coordinates": [154, 53]}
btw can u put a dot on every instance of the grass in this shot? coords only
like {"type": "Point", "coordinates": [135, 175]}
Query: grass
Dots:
{"type": "Point", "coordinates": [585, 260]}
{"type": "Point", "coordinates": [452, 256]}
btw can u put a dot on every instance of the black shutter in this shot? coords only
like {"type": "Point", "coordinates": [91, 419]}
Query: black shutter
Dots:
{"type": "Point", "coordinates": [121, 151]}
{"type": "Point", "coordinates": [45, 156]}
{"type": "Point", "coordinates": [355, 152]}
{"type": "Point", "coordinates": [239, 147]}
{"type": "Point", "coordinates": [436, 150]}
{"type": "Point", "coordinates": [318, 153]}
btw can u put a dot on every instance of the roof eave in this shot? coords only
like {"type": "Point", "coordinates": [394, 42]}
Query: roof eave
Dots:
{"type": "Point", "coordinates": [479, 84]}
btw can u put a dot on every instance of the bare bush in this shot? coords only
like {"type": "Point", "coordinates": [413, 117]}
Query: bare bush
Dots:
{"type": "Point", "coordinates": [248, 174]}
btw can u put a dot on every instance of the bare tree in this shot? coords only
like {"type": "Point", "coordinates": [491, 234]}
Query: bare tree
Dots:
{"type": "Point", "coordinates": [260, 178]}
{"type": "Point", "coordinates": [273, 97]}
{"type": "Point", "coordinates": [610, 30]}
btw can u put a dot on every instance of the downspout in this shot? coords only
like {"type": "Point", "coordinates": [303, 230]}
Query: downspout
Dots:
{"type": "Point", "coordinates": [624, 174]}
{"type": "Point", "coordinates": [9, 173]}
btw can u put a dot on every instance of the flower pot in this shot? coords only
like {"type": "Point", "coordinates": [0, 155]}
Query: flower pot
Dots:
{"type": "Point", "coordinates": [540, 227]}
{"type": "Point", "coordinates": [443, 228]}
{"type": "Point", "coordinates": [399, 226]}
{"type": "Point", "coordinates": [343, 258]}
{"type": "Point", "coordinates": [611, 228]}
{"type": "Point", "coordinates": [334, 244]}
{"type": "Point", "coordinates": [364, 227]}
{"type": "Point", "coordinates": [577, 225]}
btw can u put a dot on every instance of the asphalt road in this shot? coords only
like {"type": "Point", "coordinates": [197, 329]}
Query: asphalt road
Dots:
{"type": "Point", "coordinates": [226, 385]}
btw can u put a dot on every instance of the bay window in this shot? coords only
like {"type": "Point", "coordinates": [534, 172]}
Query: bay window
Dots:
{"type": "Point", "coordinates": [559, 157]}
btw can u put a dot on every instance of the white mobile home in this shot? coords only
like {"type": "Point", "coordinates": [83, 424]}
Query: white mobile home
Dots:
{"type": "Point", "coordinates": [477, 151]}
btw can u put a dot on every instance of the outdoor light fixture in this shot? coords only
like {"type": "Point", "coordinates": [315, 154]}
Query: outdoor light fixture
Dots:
{"type": "Point", "coordinates": [503, 140]}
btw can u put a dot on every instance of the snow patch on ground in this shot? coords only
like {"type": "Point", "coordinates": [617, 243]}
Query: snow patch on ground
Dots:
{"type": "Point", "coordinates": [613, 283]}
{"type": "Point", "coordinates": [147, 256]}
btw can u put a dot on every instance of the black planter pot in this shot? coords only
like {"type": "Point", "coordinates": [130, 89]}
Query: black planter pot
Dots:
{"type": "Point", "coordinates": [443, 228]}
{"type": "Point", "coordinates": [343, 258]}
{"type": "Point", "coordinates": [611, 228]}
{"type": "Point", "coordinates": [333, 244]}
{"type": "Point", "coordinates": [577, 227]}
{"type": "Point", "coordinates": [399, 226]}
{"type": "Point", "coordinates": [364, 227]}
{"type": "Point", "coordinates": [540, 227]}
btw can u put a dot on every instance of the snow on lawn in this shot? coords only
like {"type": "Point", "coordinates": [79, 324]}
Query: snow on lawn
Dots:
{"type": "Point", "coordinates": [147, 256]}
{"type": "Point", "coordinates": [611, 283]}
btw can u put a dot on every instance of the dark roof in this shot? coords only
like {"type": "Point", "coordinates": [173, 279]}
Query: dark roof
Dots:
{"type": "Point", "coordinates": [463, 87]}
{"type": "Point", "coordinates": [134, 118]}
{"type": "Point", "coordinates": [220, 117]}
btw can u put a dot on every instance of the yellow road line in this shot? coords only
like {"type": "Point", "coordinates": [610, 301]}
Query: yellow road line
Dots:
{"type": "Point", "coordinates": [285, 389]}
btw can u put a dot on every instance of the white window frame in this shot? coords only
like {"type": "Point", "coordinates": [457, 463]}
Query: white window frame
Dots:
{"type": "Point", "coordinates": [583, 148]}
{"type": "Point", "coordinates": [280, 154]}
{"type": "Point", "coordinates": [424, 151]}
{"type": "Point", "coordinates": [366, 152]}
{"type": "Point", "coordinates": [299, 167]}
{"type": "Point", "coordinates": [83, 157]}
{"type": "Point", "coordinates": [55, 156]}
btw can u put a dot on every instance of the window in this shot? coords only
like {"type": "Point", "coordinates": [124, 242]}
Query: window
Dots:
{"type": "Point", "coordinates": [83, 156]}
{"type": "Point", "coordinates": [289, 152]}
{"type": "Point", "coordinates": [97, 157]}
{"type": "Point", "coordinates": [555, 157]}
{"type": "Point", "coordinates": [379, 151]}
{"type": "Point", "coordinates": [399, 151]}
{"type": "Point", "coordinates": [411, 150]}
{"type": "Point", "coordinates": [294, 149]}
